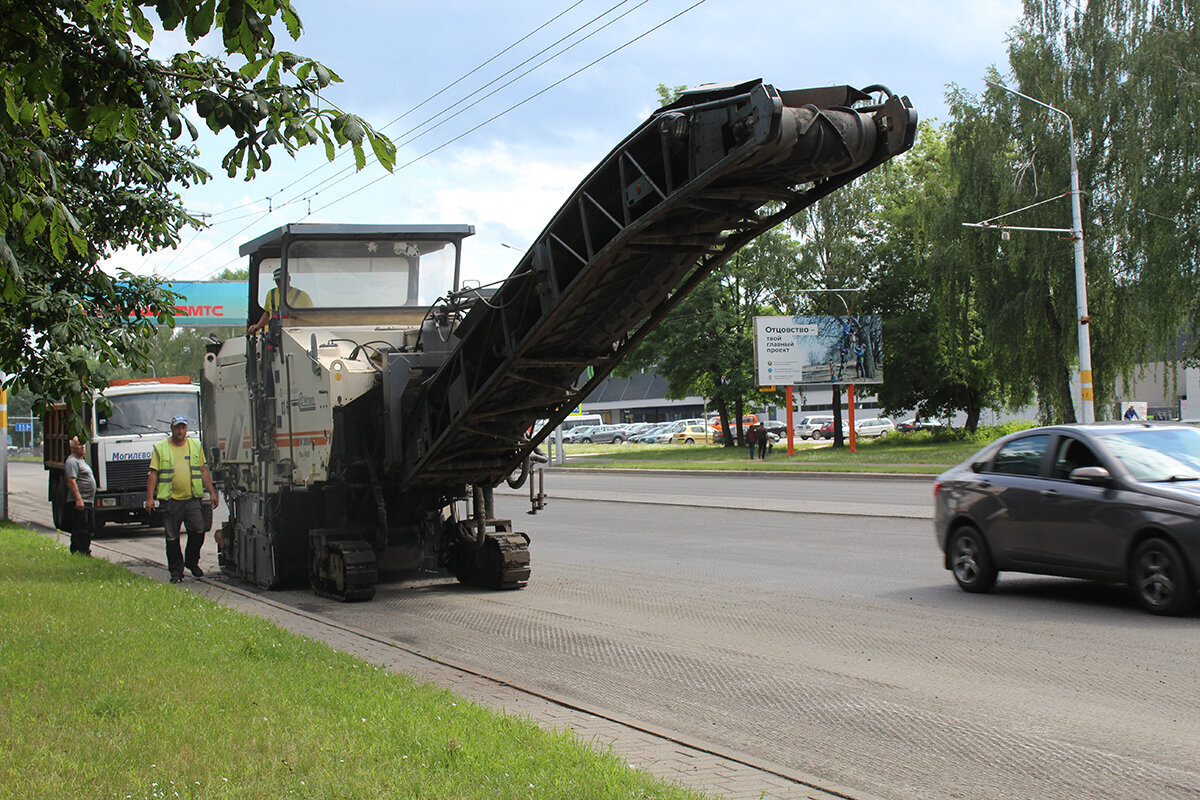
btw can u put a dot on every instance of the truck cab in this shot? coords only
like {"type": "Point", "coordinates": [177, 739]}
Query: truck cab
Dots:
{"type": "Point", "coordinates": [119, 443]}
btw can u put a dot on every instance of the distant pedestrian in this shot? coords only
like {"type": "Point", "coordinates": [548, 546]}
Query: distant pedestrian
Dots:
{"type": "Point", "coordinates": [752, 438]}
{"type": "Point", "coordinates": [178, 479]}
{"type": "Point", "coordinates": [81, 492]}
{"type": "Point", "coordinates": [1131, 412]}
{"type": "Point", "coordinates": [764, 441]}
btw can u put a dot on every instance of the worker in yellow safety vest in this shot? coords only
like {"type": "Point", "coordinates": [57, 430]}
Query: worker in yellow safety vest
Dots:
{"type": "Point", "coordinates": [272, 307]}
{"type": "Point", "coordinates": [175, 487]}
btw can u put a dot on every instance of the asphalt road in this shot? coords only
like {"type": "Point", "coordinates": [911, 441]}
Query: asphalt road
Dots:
{"type": "Point", "coordinates": [821, 636]}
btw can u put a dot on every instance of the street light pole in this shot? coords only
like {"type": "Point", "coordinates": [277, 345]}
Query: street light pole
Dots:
{"type": "Point", "coordinates": [1087, 409]}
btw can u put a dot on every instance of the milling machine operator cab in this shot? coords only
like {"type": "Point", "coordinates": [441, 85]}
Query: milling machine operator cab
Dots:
{"type": "Point", "coordinates": [353, 274]}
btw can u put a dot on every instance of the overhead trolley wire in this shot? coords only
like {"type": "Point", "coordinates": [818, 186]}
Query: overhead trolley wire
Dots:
{"type": "Point", "coordinates": [431, 97]}
{"type": "Point", "coordinates": [348, 172]}
{"type": "Point", "coordinates": [486, 122]}
{"type": "Point", "coordinates": [517, 105]}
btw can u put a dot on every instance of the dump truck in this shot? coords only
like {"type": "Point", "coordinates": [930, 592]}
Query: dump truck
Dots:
{"type": "Point", "coordinates": [361, 435]}
{"type": "Point", "coordinates": [118, 444]}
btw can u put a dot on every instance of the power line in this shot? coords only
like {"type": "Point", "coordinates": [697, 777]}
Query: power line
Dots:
{"type": "Point", "coordinates": [439, 92]}
{"type": "Point", "coordinates": [511, 108]}
{"type": "Point", "coordinates": [519, 104]}
{"type": "Point", "coordinates": [348, 172]}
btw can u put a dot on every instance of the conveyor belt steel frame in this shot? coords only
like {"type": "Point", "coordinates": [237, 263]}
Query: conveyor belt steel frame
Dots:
{"type": "Point", "coordinates": [696, 182]}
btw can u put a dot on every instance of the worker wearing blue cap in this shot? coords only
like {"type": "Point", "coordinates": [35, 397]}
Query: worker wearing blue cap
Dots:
{"type": "Point", "coordinates": [177, 482]}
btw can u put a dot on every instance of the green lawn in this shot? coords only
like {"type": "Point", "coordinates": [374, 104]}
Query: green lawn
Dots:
{"type": "Point", "coordinates": [115, 686]}
{"type": "Point", "coordinates": [915, 453]}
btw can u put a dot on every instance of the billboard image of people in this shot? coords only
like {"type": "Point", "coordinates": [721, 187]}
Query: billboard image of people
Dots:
{"type": "Point", "coordinates": [818, 350]}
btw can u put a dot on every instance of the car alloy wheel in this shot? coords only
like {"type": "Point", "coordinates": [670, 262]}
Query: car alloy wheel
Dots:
{"type": "Point", "coordinates": [1160, 579]}
{"type": "Point", "coordinates": [970, 561]}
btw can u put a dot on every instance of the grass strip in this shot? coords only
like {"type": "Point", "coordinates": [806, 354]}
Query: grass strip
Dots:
{"type": "Point", "coordinates": [117, 686]}
{"type": "Point", "coordinates": [917, 453]}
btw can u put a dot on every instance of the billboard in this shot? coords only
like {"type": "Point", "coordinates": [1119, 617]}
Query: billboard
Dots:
{"type": "Point", "coordinates": [813, 350]}
{"type": "Point", "coordinates": [210, 303]}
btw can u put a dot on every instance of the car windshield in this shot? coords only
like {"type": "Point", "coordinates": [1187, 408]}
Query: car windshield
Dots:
{"type": "Point", "coordinates": [1168, 454]}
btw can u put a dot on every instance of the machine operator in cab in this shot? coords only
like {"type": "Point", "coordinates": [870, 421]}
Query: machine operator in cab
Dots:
{"type": "Point", "coordinates": [296, 298]}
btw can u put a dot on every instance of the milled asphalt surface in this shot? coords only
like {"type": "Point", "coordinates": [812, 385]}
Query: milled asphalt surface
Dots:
{"type": "Point", "coordinates": [639, 743]}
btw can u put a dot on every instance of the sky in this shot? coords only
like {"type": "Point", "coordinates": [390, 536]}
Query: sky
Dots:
{"type": "Point", "coordinates": [501, 109]}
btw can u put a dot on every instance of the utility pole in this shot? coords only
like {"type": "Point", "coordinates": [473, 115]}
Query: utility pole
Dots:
{"type": "Point", "coordinates": [4, 456]}
{"type": "Point", "coordinates": [1087, 408]}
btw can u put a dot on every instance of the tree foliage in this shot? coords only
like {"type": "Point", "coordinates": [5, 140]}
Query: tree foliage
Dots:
{"type": "Point", "coordinates": [93, 154]}
{"type": "Point", "coordinates": [975, 321]}
{"type": "Point", "coordinates": [1126, 73]}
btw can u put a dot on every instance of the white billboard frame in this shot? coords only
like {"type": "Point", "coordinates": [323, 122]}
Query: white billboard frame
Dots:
{"type": "Point", "coordinates": [806, 351]}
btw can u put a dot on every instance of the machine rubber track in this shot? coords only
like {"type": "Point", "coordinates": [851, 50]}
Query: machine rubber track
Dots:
{"type": "Point", "coordinates": [514, 559]}
{"type": "Point", "coordinates": [501, 562]}
{"type": "Point", "coordinates": [353, 564]}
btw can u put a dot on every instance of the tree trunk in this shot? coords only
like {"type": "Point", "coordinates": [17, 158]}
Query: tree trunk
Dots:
{"type": "Point", "coordinates": [1066, 400]}
{"type": "Point", "coordinates": [723, 413]}
{"type": "Point", "coordinates": [973, 412]}
{"type": "Point", "coordinates": [741, 412]}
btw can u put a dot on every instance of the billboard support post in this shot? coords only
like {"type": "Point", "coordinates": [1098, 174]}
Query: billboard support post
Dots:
{"type": "Point", "coordinates": [791, 439]}
{"type": "Point", "coordinates": [850, 403]}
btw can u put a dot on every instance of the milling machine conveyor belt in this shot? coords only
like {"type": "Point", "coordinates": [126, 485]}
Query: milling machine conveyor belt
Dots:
{"type": "Point", "coordinates": [693, 184]}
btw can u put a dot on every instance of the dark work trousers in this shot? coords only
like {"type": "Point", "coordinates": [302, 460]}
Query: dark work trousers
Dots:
{"type": "Point", "coordinates": [188, 514]}
{"type": "Point", "coordinates": [82, 523]}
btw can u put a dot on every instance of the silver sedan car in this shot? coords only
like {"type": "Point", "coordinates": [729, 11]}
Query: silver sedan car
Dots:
{"type": "Point", "coordinates": [1116, 502]}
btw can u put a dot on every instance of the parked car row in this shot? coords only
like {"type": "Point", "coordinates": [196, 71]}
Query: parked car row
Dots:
{"type": "Point", "coordinates": [810, 426]}
{"type": "Point", "coordinates": [596, 434]}
{"type": "Point", "coordinates": [868, 428]}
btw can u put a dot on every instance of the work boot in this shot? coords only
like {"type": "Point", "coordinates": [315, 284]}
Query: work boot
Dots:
{"type": "Point", "coordinates": [195, 570]}
{"type": "Point", "coordinates": [176, 577]}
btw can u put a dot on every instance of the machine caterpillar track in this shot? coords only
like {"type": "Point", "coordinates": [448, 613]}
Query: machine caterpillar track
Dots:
{"type": "Point", "coordinates": [361, 435]}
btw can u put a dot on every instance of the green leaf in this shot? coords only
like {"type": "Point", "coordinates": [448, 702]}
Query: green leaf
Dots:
{"type": "Point", "coordinates": [200, 22]}
{"type": "Point", "coordinates": [360, 157]}
{"type": "Point", "coordinates": [7, 259]}
{"type": "Point", "coordinates": [385, 151]}
{"type": "Point", "coordinates": [130, 125]}
{"type": "Point", "coordinates": [58, 238]}
{"type": "Point", "coordinates": [79, 242]}
{"type": "Point", "coordinates": [34, 228]}
{"type": "Point", "coordinates": [291, 20]}
{"type": "Point", "coordinates": [10, 103]}
{"type": "Point", "coordinates": [254, 68]}
{"type": "Point", "coordinates": [141, 26]}
{"type": "Point", "coordinates": [352, 129]}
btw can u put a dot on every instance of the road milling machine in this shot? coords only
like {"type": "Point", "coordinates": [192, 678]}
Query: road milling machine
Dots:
{"type": "Point", "coordinates": [362, 433]}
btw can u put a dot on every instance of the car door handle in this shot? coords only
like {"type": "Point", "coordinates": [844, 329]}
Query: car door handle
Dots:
{"type": "Point", "coordinates": [1049, 493]}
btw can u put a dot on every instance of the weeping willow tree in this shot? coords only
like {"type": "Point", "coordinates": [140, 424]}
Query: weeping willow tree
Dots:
{"type": "Point", "coordinates": [1126, 73]}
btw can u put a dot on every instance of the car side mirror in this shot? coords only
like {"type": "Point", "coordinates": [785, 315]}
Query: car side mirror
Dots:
{"type": "Point", "coordinates": [1093, 476]}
